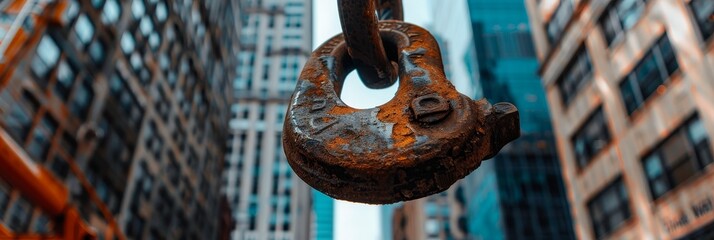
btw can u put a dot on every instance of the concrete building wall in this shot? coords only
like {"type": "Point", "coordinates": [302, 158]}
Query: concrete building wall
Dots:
{"type": "Point", "coordinates": [635, 135]}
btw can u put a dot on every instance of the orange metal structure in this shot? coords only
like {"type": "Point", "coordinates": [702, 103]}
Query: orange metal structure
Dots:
{"type": "Point", "coordinates": [33, 181]}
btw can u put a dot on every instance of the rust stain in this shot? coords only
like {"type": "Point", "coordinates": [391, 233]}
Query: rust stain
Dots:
{"type": "Point", "coordinates": [342, 110]}
{"type": "Point", "coordinates": [394, 113]}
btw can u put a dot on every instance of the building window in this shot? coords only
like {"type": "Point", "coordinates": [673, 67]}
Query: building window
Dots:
{"type": "Point", "coordinates": [5, 195]}
{"type": "Point", "coordinates": [609, 209]}
{"type": "Point", "coordinates": [293, 20]}
{"type": "Point", "coordinates": [20, 214]}
{"type": "Point", "coordinates": [60, 167]}
{"type": "Point", "coordinates": [84, 30]}
{"type": "Point", "coordinates": [575, 76]}
{"type": "Point", "coordinates": [127, 43]}
{"type": "Point", "coordinates": [66, 74]}
{"type": "Point", "coordinates": [680, 157]}
{"type": "Point", "coordinates": [161, 12]}
{"type": "Point", "coordinates": [592, 137]}
{"type": "Point", "coordinates": [619, 17]}
{"type": "Point", "coordinates": [96, 52]}
{"type": "Point", "coordinates": [560, 19]}
{"type": "Point", "coordinates": [138, 9]}
{"type": "Point", "coordinates": [41, 138]}
{"type": "Point", "coordinates": [651, 72]}
{"type": "Point", "coordinates": [704, 14]}
{"type": "Point", "coordinates": [72, 11]}
{"type": "Point", "coordinates": [124, 96]}
{"type": "Point", "coordinates": [97, 3]}
{"type": "Point", "coordinates": [111, 12]}
{"type": "Point", "coordinates": [82, 101]}
{"type": "Point", "coordinates": [46, 56]}
{"type": "Point", "coordinates": [154, 143]}
{"type": "Point", "coordinates": [19, 121]}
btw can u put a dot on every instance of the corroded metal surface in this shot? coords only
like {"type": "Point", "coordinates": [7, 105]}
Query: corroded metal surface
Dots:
{"type": "Point", "coordinates": [402, 150]}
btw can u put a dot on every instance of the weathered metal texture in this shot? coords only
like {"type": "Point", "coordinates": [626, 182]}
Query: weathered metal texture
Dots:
{"type": "Point", "coordinates": [359, 25]}
{"type": "Point", "coordinates": [402, 150]}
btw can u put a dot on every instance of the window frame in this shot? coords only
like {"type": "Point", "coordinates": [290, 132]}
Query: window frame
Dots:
{"type": "Point", "coordinates": [661, 70]}
{"type": "Point", "coordinates": [562, 26]}
{"type": "Point", "coordinates": [612, 13]}
{"type": "Point", "coordinates": [618, 185]}
{"type": "Point", "coordinates": [566, 98]}
{"type": "Point", "coordinates": [698, 23]}
{"type": "Point", "coordinates": [579, 133]}
{"type": "Point", "coordinates": [693, 156]}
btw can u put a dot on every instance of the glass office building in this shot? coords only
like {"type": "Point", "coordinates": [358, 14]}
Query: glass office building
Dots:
{"type": "Point", "coordinates": [518, 194]}
{"type": "Point", "coordinates": [324, 210]}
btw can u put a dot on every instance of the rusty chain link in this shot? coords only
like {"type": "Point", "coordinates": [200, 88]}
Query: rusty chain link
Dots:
{"type": "Point", "coordinates": [419, 143]}
{"type": "Point", "coordinates": [359, 19]}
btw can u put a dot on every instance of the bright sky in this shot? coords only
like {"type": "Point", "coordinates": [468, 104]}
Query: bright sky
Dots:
{"type": "Point", "coordinates": [353, 220]}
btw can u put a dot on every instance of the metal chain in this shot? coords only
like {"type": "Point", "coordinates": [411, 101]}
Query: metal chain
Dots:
{"type": "Point", "coordinates": [359, 25]}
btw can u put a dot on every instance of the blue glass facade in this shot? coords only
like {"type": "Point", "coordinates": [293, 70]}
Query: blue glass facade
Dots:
{"type": "Point", "coordinates": [324, 207]}
{"type": "Point", "coordinates": [519, 194]}
{"type": "Point", "coordinates": [386, 213]}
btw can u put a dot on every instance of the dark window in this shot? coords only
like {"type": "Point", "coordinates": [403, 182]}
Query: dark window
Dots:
{"type": "Point", "coordinates": [620, 16]}
{"type": "Point", "coordinates": [560, 19]}
{"type": "Point", "coordinates": [60, 167]}
{"type": "Point", "coordinates": [126, 99]}
{"type": "Point", "coordinates": [4, 198]}
{"type": "Point", "coordinates": [19, 121]}
{"type": "Point", "coordinates": [20, 214]}
{"type": "Point", "coordinates": [135, 227]}
{"type": "Point", "coordinates": [651, 72]}
{"type": "Point", "coordinates": [97, 52]}
{"type": "Point", "coordinates": [82, 101]}
{"type": "Point", "coordinates": [154, 142]}
{"type": "Point", "coordinates": [97, 3]}
{"type": "Point", "coordinates": [41, 224]}
{"type": "Point", "coordinates": [576, 76]}
{"type": "Point", "coordinates": [66, 74]}
{"type": "Point", "coordinates": [161, 102]}
{"type": "Point", "coordinates": [704, 14]}
{"type": "Point", "coordinates": [609, 209]}
{"type": "Point", "coordinates": [681, 156]}
{"type": "Point", "coordinates": [41, 138]}
{"type": "Point", "coordinates": [591, 138]}
{"type": "Point", "coordinates": [68, 144]}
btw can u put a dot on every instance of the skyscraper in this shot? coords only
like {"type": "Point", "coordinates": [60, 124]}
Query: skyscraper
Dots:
{"type": "Point", "coordinates": [120, 106]}
{"type": "Point", "coordinates": [630, 88]}
{"type": "Point", "coordinates": [324, 209]}
{"type": "Point", "coordinates": [518, 194]}
{"type": "Point", "coordinates": [438, 216]}
{"type": "Point", "coordinates": [268, 200]}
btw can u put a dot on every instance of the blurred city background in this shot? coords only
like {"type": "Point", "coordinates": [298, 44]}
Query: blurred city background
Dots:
{"type": "Point", "coordinates": [162, 119]}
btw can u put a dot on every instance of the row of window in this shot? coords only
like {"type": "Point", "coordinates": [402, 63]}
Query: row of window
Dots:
{"type": "Point", "coordinates": [679, 158]}
{"type": "Point", "coordinates": [653, 70]}
{"type": "Point", "coordinates": [57, 72]}
{"type": "Point", "coordinates": [621, 15]}
{"type": "Point", "coordinates": [616, 20]}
